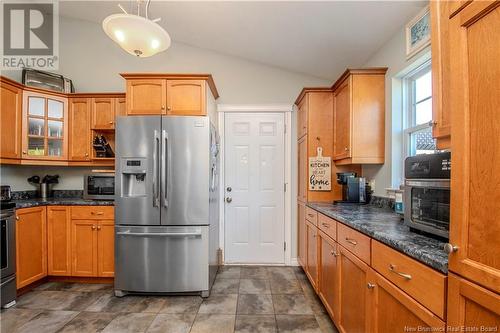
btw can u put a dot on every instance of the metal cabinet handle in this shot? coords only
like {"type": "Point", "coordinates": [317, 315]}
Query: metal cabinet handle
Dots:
{"type": "Point", "coordinates": [333, 253]}
{"type": "Point", "coordinates": [111, 122]}
{"type": "Point", "coordinates": [166, 165]}
{"type": "Point", "coordinates": [432, 123]}
{"type": "Point", "coordinates": [156, 151]}
{"type": "Point", "coordinates": [351, 240]}
{"type": "Point", "coordinates": [96, 213]}
{"type": "Point", "coordinates": [450, 248]}
{"type": "Point", "coordinates": [93, 227]}
{"type": "Point", "coordinates": [310, 215]}
{"type": "Point", "coordinates": [370, 286]}
{"type": "Point", "coordinates": [326, 225]}
{"type": "Point", "coordinates": [98, 227]}
{"type": "Point", "coordinates": [163, 107]}
{"type": "Point", "coordinates": [169, 108]}
{"type": "Point", "coordinates": [392, 268]}
{"type": "Point", "coordinates": [17, 218]}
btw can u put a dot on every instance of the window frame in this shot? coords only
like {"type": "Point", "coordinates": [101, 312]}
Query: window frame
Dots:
{"type": "Point", "coordinates": [409, 106]}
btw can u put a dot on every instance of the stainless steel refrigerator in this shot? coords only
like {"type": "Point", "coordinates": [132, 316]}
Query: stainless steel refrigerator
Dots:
{"type": "Point", "coordinates": [166, 205]}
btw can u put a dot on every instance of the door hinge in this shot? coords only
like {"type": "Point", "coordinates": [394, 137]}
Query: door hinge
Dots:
{"type": "Point", "coordinates": [284, 246]}
{"type": "Point", "coordinates": [284, 128]}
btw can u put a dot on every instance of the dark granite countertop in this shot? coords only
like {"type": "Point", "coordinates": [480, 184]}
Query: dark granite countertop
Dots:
{"type": "Point", "coordinates": [385, 226]}
{"type": "Point", "coordinates": [26, 203]}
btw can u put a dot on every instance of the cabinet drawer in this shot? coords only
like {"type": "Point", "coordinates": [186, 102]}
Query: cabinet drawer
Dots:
{"type": "Point", "coordinates": [421, 282]}
{"type": "Point", "coordinates": [328, 226]}
{"type": "Point", "coordinates": [354, 241]}
{"type": "Point", "coordinates": [93, 213]}
{"type": "Point", "coordinates": [312, 215]}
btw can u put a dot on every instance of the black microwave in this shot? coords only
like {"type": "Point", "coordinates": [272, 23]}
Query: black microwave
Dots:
{"type": "Point", "coordinates": [427, 193]}
{"type": "Point", "coordinates": [99, 186]}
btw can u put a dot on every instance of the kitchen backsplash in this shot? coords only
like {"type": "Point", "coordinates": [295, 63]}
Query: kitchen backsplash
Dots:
{"type": "Point", "coordinates": [71, 178]}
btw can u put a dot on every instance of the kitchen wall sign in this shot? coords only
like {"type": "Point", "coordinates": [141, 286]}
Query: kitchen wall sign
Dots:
{"type": "Point", "coordinates": [320, 172]}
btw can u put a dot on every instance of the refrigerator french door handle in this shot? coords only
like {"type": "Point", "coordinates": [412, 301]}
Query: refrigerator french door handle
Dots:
{"type": "Point", "coordinates": [166, 167]}
{"type": "Point", "coordinates": [156, 183]}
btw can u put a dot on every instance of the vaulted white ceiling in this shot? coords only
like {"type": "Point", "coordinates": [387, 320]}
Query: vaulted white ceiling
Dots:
{"type": "Point", "coordinates": [315, 38]}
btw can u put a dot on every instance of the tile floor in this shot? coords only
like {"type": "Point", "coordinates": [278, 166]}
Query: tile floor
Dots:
{"type": "Point", "coordinates": [243, 299]}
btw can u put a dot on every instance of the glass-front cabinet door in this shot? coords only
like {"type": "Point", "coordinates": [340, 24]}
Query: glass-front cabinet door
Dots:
{"type": "Point", "coordinates": [44, 126]}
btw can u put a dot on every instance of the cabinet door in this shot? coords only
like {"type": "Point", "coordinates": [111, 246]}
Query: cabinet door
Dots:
{"type": "Point", "coordinates": [103, 113]}
{"type": "Point", "coordinates": [471, 306]}
{"type": "Point", "coordinates": [59, 240]}
{"type": "Point", "coordinates": [84, 247]}
{"type": "Point", "coordinates": [146, 97]}
{"type": "Point", "coordinates": [475, 180]}
{"type": "Point", "coordinates": [342, 121]}
{"type": "Point", "coordinates": [302, 235]}
{"type": "Point", "coordinates": [302, 116]}
{"type": "Point", "coordinates": [186, 97]}
{"type": "Point", "coordinates": [106, 248]}
{"type": "Point", "coordinates": [329, 275]}
{"type": "Point", "coordinates": [303, 169]}
{"type": "Point", "coordinates": [394, 311]}
{"type": "Point", "coordinates": [354, 297]}
{"type": "Point", "coordinates": [79, 127]}
{"type": "Point", "coordinates": [120, 107]}
{"type": "Point", "coordinates": [312, 254]}
{"type": "Point", "coordinates": [10, 121]}
{"type": "Point", "coordinates": [440, 73]}
{"type": "Point", "coordinates": [31, 245]}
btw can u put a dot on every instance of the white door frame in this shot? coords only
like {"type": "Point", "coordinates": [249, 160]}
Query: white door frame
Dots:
{"type": "Point", "coordinates": [286, 109]}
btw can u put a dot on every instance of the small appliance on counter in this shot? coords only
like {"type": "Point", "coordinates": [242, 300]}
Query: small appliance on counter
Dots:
{"type": "Point", "coordinates": [427, 193]}
{"type": "Point", "coordinates": [99, 186]}
{"type": "Point", "coordinates": [44, 186]}
{"type": "Point", "coordinates": [46, 80]}
{"type": "Point", "coordinates": [355, 190]}
{"type": "Point", "coordinates": [8, 249]}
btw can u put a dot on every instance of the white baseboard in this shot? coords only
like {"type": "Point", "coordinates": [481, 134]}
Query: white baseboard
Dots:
{"type": "Point", "coordinates": [294, 262]}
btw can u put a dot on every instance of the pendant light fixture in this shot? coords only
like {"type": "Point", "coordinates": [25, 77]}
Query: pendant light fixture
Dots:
{"type": "Point", "coordinates": [136, 34]}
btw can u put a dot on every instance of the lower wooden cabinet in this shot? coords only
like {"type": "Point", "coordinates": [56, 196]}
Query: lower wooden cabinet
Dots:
{"type": "Point", "coordinates": [472, 306]}
{"type": "Point", "coordinates": [312, 254]}
{"type": "Point", "coordinates": [106, 248]}
{"type": "Point", "coordinates": [354, 293]}
{"type": "Point", "coordinates": [31, 245]}
{"type": "Point", "coordinates": [392, 310]}
{"type": "Point", "coordinates": [59, 240]}
{"type": "Point", "coordinates": [328, 287]}
{"type": "Point", "coordinates": [301, 237]}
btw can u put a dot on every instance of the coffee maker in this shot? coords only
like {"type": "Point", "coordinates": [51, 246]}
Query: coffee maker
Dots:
{"type": "Point", "coordinates": [354, 189]}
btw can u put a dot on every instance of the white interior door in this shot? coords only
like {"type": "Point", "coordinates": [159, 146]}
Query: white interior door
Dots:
{"type": "Point", "coordinates": [254, 188]}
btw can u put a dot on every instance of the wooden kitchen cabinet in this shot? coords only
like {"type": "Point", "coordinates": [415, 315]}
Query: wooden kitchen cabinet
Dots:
{"type": "Point", "coordinates": [11, 96]}
{"type": "Point", "coordinates": [58, 240]}
{"type": "Point", "coordinates": [186, 98]}
{"type": "Point", "coordinates": [302, 170]}
{"type": "Point", "coordinates": [103, 113]}
{"type": "Point", "coordinates": [31, 245]}
{"type": "Point", "coordinates": [79, 128]}
{"type": "Point", "coordinates": [472, 306]}
{"type": "Point", "coordinates": [302, 116]}
{"type": "Point", "coordinates": [355, 306]}
{"type": "Point", "coordinates": [92, 241]}
{"type": "Point", "coordinates": [329, 287]}
{"type": "Point", "coordinates": [391, 310]}
{"type": "Point", "coordinates": [312, 254]}
{"type": "Point", "coordinates": [441, 113]}
{"type": "Point", "coordinates": [146, 97]}
{"type": "Point", "coordinates": [106, 248]}
{"type": "Point", "coordinates": [302, 235]}
{"type": "Point", "coordinates": [359, 117]}
{"type": "Point", "coordinates": [120, 107]}
{"type": "Point", "coordinates": [474, 99]}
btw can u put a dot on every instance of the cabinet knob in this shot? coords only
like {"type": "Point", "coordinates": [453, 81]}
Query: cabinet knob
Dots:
{"type": "Point", "coordinates": [169, 108]}
{"type": "Point", "coordinates": [450, 248]}
{"type": "Point", "coordinates": [111, 122]}
{"type": "Point", "coordinates": [432, 123]}
{"type": "Point", "coordinates": [333, 253]}
{"type": "Point", "coordinates": [24, 152]}
{"type": "Point", "coordinates": [346, 149]}
{"type": "Point", "coordinates": [17, 218]}
{"type": "Point", "coordinates": [370, 286]}
{"type": "Point", "coordinates": [163, 107]}
{"type": "Point", "coordinates": [98, 227]}
{"type": "Point", "coordinates": [93, 227]}
{"type": "Point", "coordinates": [86, 154]}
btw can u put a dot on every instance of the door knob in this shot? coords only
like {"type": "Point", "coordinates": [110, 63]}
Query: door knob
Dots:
{"type": "Point", "coordinates": [229, 189]}
{"type": "Point", "coordinates": [229, 199]}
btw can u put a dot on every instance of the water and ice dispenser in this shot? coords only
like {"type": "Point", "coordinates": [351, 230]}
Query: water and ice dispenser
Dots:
{"type": "Point", "coordinates": [133, 177]}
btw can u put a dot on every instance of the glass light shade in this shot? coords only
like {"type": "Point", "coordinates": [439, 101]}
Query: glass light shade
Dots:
{"type": "Point", "coordinates": [136, 35]}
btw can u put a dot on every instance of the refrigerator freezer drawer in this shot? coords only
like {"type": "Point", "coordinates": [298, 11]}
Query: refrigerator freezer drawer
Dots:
{"type": "Point", "coordinates": [161, 259]}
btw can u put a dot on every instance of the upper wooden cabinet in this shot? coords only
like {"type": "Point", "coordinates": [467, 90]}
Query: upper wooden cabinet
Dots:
{"type": "Point", "coordinates": [79, 129]}
{"type": "Point", "coordinates": [441, 113]}
{"type": "Point", "coordinates": [169, 94]}
{"type": "Point", "coordinates": [120, 107]}
{"type": "Point", "coordinates": [359, 117]}
{"type": "Point", "coordinates": [45, 126]}
{"type": "Point", "coordinates": [31, 245]}
{"type": "Point", "coordinates": [11, 97]}
{"type": "Point", "coordinates": [103, 113]}
{"type": "Point", "coordinates": [475, 180]}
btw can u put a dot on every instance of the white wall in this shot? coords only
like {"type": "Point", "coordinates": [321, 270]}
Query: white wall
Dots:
{"type": "Point", "coordinates": [393, 56]}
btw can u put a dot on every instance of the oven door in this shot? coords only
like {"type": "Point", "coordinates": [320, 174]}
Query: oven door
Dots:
{"type": "Point", "coordinates": [427, 206]}
{"type": "Point", "coordinates": [8, 243]}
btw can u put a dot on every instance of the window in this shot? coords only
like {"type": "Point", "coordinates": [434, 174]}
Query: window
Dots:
{"type": "Point", "coordinates": [418, 112]}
